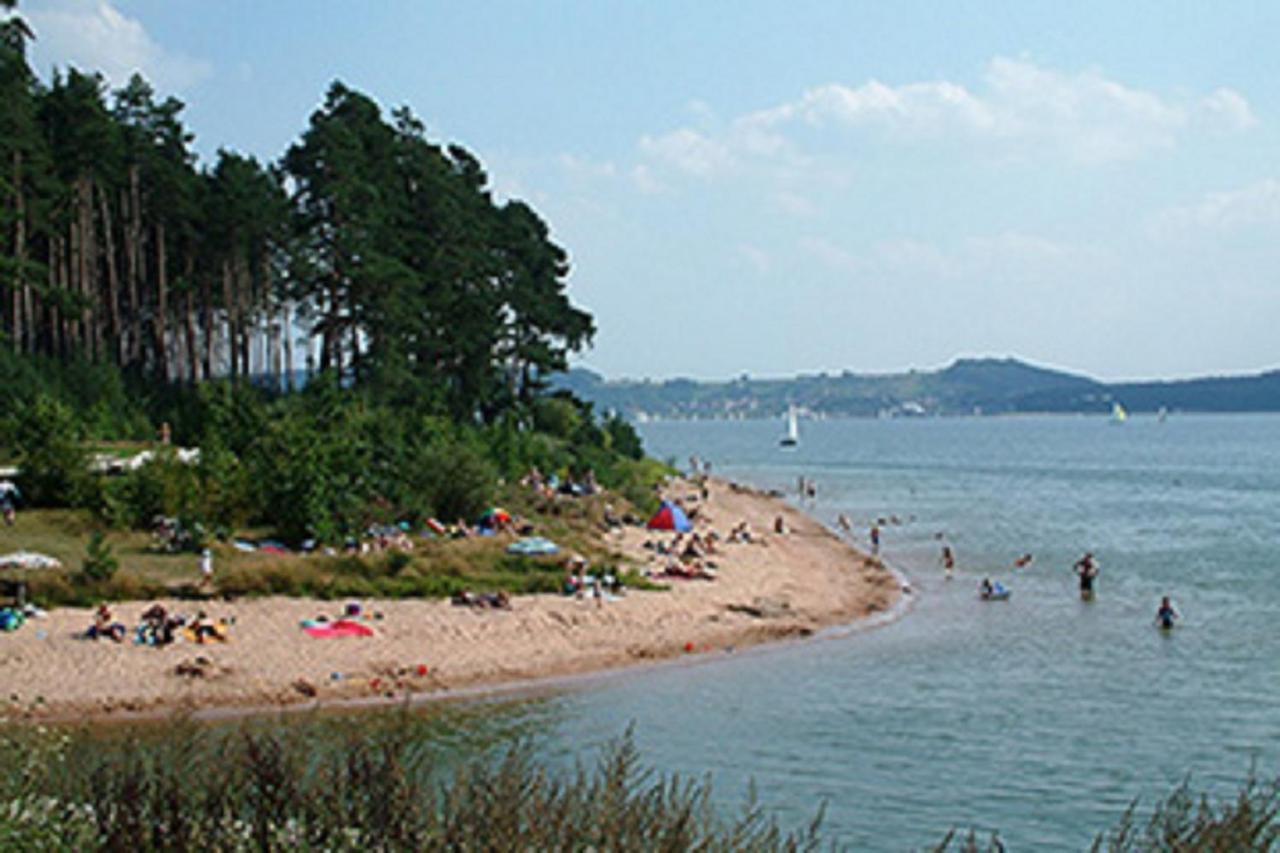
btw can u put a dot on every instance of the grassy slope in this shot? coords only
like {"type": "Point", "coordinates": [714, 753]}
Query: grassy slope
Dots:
{"type": "Point", "coordinates": [436, 567]}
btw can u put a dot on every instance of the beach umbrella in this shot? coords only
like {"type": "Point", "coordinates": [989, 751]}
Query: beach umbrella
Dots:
{"type": "Point", "coordinates": [670, 517]}
{"type": "Point", "coordinates": [494, 516]}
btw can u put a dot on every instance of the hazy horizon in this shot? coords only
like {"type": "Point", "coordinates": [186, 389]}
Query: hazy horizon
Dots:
{"type": "Point", "coordinates": [770, 377]}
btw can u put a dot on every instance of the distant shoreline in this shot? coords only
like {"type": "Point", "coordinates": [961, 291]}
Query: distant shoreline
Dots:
{"type": "Point", "coordinates": [988, 386]}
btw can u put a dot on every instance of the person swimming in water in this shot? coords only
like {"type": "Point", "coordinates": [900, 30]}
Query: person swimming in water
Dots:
{"type": "Point", "coordinates": [1165, 614]}
{"type": "Point", "coordinates": [1087, 568]}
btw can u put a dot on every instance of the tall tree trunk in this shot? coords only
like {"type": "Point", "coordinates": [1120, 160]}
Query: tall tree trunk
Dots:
{"type": "Point", "coordinates": [133, 254]}
{"type": "Point", "coordinates": [114, 332]}
{"type": "Point", "coordinates": [86, 265]}
{"type": "Point", "coordinates": [58, 271]}
{"type": "Point", "coordinates": [162, 304]}
{"type": "Point", "coordinates": [228, 306]}
{"type": "Point", "coordinates": [189, 313]}
{"type": "Point", "coordinates": [70, 282]}
{"type": "Point", "coordinates": [244, 321]}
{"type": "Point", "coordinates": [19, 254]}
{"type": "Point", "coordinates": [52, 314]}
{"type": "Point", "coordinates": [286, 331]}
{"type": "Point", "coordinates": [206, 317]}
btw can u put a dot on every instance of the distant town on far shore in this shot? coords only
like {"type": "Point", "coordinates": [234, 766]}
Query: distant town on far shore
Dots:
{"type": "Point", "coordinates": [986, 386]}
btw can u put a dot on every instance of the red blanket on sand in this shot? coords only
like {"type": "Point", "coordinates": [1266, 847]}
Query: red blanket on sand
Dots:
{"type": "Point", "coordinates": [341, 628]}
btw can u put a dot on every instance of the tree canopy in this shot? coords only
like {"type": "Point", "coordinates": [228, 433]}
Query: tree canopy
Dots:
{"type": "Point", "coordinates": [383, 254]}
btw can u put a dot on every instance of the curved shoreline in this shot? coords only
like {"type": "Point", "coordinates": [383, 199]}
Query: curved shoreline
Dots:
{"type": "Point", "coordinates": [536, 686]}
{"type": "Point", "coordinates": [807, 585]}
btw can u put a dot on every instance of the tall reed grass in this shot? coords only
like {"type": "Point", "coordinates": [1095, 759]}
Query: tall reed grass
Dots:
{"type": "Point", "coordinates": [384, 786]}
{"type": "Point", "coordinates": [379, 788]}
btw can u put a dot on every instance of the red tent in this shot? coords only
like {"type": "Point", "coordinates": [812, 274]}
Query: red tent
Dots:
{"type": "Point", "coordinates": [670, 517]}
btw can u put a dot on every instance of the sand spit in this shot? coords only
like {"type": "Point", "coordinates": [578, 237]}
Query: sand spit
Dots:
{"type": "Point", "coordinates": [787, 585]}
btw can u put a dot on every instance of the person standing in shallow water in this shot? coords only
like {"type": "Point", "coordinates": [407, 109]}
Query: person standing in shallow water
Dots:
{"type": "Point", "coordinates": [1087, 568]}
{"type": "Point", "coordinates": [1165, 614]}
{"type": "Point", "coordinates": [875, 539]}
{"type": "Point", "coordinates": [948, 561]}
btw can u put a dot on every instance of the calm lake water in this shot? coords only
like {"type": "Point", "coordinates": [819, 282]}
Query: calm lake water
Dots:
{"type": "Point", "coordinates": [1043, 716]}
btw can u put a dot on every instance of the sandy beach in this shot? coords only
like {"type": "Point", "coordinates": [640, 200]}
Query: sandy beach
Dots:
{"type": "Point", "coordinates": [787, 585]}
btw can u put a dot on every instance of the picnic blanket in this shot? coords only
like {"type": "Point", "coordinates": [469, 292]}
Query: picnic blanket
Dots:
{"type": "Point", "coordinates": [533, 546]}
{"type": "Point", "coordinates": [340, 628]}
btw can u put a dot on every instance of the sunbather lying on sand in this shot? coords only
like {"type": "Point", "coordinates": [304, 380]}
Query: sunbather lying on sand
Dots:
{"type": "Point", "coordinates": [103, 626]}
{"type": "Point", "coordinates": [496, 600]}
{"type": "Point", "coordinates": [689, 570]}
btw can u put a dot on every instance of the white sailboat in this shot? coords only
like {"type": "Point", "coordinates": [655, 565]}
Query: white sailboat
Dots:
{"type": "Point", "coordinates": [1118, 414]}
{"type": "Point", "coordinates": [1163, 414]}
{"type": "Point", "coordinates": [792, 438]}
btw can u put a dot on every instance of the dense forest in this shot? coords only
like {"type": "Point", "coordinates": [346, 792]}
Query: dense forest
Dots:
{"type": "Point", "coordinates": [139, 287]}
{"type": "Point", "coordinates": [387, 249]}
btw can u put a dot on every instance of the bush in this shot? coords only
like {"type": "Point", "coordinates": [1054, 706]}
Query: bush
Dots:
{"type": "Point", "coordinates": [454, 476]}
{"type": "Point", "coordinates": [99, 563]}
{"type": "Point", "coordinates": [53, 467]}
{"type": "Point", "coordinates": [623, 438]}
{"type": "Point", "coordinates": [558, 416]}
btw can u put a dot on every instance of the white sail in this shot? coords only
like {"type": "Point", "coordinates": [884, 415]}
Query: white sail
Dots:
{"type": "Point", "coordinates": [1118, 414]}
{"type": "Point", "coordinates": [792, 437]}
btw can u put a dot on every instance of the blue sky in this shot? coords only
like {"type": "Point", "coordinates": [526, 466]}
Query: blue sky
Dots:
{"type": "Point", "coordinates": [773, 188]}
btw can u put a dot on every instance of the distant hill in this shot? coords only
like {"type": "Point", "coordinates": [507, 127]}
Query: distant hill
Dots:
{"type": "Point", "coordinates": [968, 386]}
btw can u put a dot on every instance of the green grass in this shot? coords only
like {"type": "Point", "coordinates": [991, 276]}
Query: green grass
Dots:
{"type": "Point", "coordinates": [435, 568]}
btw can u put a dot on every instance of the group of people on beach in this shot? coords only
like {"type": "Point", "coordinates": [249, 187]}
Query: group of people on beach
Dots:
{"type": "Point", "coordinates": [156, 627]}
{"type": "Point", "coordinates": [689, 555]}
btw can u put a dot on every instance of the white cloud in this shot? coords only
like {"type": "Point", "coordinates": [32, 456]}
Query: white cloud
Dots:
{"type": "Point", "coordinates": [582, 167]}
{"type": "Point", "coordinates": [1227, 109]}
{"type": "Point", "coordinates": [1007, 255]}
{"type": "Point", "coordinates": [689, 151]}
{"type": "Point", "coordinates": [646, 182]}
{"type": "Point", "coordinates": [94, 35]}
{"type": "Point", "coordinates": [758, 259]}
{"type": "Point", "coordinates": [794, 203]}
{"type": "Point", "coordinates": [1255, 204]}
{"type": "Point", "coordinates": [831, 255]}
{"type": "Point", "coordinates": [1021, 109]}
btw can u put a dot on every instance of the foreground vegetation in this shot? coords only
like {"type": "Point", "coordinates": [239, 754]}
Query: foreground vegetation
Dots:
{"type": "Point", "coordinates": [383, 786]}
{"type": "Point", "coordinates": [272, 790]}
